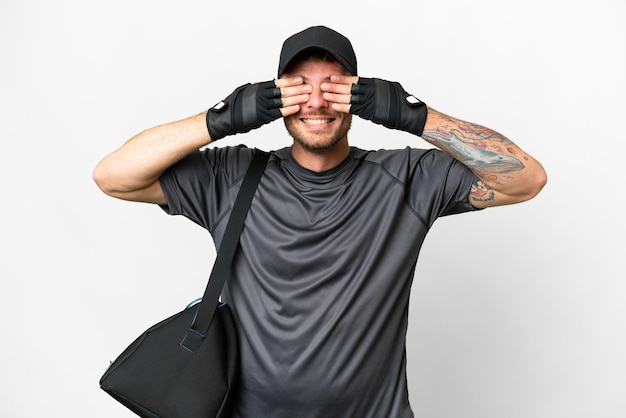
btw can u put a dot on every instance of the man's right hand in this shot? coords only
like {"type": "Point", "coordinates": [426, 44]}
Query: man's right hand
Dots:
{"type": "Point", "coordinates": [253, 105]}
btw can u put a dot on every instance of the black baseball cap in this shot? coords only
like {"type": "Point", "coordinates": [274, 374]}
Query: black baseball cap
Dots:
{"type": "Point", "coordinates": [318, 37]}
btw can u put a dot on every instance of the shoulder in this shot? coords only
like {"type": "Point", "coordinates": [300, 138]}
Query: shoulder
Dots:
{"type": "Point", "coordinates": [400, 162]}
{"type": "Point", "coordinates": [210, 165]}
{"type": "Point", "coordinates": [227, 158]}
{"type": "Point", "coordinates": [382, 156]}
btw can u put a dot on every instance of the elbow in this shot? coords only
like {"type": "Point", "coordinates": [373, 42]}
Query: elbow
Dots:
{"type": "Point", "coordinates": [528, 188]}
{"type": "Point", "coordinates": [535, 183]}
{"type": "Point", "coordinates": [102, 178]}
{"type": "Point", "coordinates": [540, 180]}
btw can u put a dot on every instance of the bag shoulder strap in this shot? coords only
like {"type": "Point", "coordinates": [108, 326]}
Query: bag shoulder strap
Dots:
{"type": "Point", "coordinates": [230, 241]}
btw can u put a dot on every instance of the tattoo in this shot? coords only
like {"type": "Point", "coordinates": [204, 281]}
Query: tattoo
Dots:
{"type": "Point", "coordinates": [481, 192]}
{"type": "Point", "coordinates": [482, 150]}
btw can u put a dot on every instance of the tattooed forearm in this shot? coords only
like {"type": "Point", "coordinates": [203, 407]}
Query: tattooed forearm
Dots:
{"type": "Point", "coordinates": [504, 173]}
{"type": "Point", "coordinates": [481, 149]}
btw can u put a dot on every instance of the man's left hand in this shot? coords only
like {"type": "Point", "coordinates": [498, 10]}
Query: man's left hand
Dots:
{"type": "Point", "coordinates": [383, 102]}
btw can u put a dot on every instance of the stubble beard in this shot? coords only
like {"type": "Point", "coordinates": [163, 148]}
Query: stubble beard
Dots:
{"type": "Point", "coordinates": [312, 141]}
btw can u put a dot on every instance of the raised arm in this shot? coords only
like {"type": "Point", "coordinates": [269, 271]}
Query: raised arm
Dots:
{"type": "Point", "coordinates": [507, 174]}
{"type": "Point", "coordinates": [132, 171]}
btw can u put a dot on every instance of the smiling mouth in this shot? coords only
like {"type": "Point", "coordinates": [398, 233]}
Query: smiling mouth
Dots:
{"type": "Point", "coordinates": [316, 121]}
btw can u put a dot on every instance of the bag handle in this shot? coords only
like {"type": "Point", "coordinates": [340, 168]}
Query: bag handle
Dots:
{"type": "Point", "coordinates": [221, 268]}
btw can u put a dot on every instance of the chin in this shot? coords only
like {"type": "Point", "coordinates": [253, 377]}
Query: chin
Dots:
{"type": "Point", "coordinates": [318, 143]}
{"type": "Point", "coordinates": [317, 147]}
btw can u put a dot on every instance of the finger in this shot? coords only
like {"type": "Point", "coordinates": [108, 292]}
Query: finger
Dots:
{"type": "Point", "coordinates": [295, 90]}
{"type": "Point", "coordinates": [295, 100]}
{"type": "Point", "coordinates": [337, 98]}
{"type": "Point", "coordinates": [339, 88]}
{"type": "Point", "coordinates": [288, 81]}
{"type": "Point", "coordinates": [339, 107]}
{"type": "Point", "coordinates": [344, 79]}
{"type": "Point", "coordinates": [289, 110]}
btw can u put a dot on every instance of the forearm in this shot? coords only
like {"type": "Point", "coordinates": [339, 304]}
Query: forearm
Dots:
{"type": "Point", "coordinates": [508, 174]}
{"type": "Point", "coordinates": [140, 161]}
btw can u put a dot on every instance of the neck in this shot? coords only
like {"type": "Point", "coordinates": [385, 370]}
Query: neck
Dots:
{"type": "Point", "coordinates": [321, 160]}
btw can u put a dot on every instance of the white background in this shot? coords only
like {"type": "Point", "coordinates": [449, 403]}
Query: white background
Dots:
{"type": "Point", "coordinates": [515, 312]}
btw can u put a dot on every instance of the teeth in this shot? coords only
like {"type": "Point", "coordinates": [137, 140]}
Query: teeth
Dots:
{"type": "Point", "coordinates": [316, 121]}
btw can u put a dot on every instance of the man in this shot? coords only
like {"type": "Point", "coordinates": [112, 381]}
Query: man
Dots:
{"type": "Point", "coordinates": [320, 286]}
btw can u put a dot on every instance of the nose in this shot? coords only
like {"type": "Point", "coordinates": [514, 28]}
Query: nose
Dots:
{"type": "Point", "coordinates": [316, 98]}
